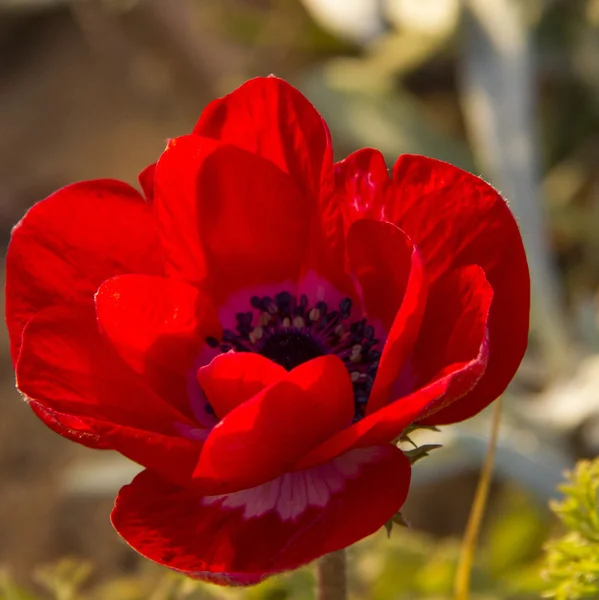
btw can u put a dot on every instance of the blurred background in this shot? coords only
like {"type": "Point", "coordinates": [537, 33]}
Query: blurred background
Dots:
{"type": "Point", "coordinates": [507, 89]}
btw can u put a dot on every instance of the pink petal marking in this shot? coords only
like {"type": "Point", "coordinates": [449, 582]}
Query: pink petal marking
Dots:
{"type": "Point", "coordinates": [292, 493]}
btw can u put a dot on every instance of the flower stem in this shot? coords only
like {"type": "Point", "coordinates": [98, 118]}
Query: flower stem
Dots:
{"type": "Point", "coordinates": [462, 578]}
{"type": "Point", "coordinates": [331, 578]}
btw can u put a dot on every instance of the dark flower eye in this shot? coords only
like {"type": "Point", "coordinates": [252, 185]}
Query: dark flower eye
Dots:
{"type": "Point", "coordinates": [289, 330]}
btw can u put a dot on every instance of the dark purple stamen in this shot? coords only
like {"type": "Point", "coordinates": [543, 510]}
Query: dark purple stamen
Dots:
{"type": "Point", "coordinates": [290, 332]}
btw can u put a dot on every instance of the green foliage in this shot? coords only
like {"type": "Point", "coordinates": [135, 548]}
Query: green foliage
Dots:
{"type": "Point", "coordinates": [572, 565]}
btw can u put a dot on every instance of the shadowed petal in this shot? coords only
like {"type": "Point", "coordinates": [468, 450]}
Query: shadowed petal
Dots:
{"type": "Point", "coordinates": [158, 326]}
{"type": "Point", "coordinates": [263, 437]}
{"type": "Point", "coordinates": [233, 378]}
{"type": "Point", "coordinates": [68, 367]}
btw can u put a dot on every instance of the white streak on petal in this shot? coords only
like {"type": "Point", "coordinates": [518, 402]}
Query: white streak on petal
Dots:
{"type": "Point", "coordinates": [254, 499]}
{"type": "Point", "coordinates": [318, 492]}
{"type": "Point", "coordinates": [265, 500]}
{"type": "Point", "coordinates": [237, 500]}
{"type": "Point", "coordinates": [208, 500]}
{"type": "Point", "coordinates": [271, 499]}
{"type": "Point", "coordinates": [299, 500]}
{"type": "Point", "coordinates": [333, 478]}
{"type": "Point", "coordinates": [293, 493]}
{"type": "Point", "coordinates": [285, 498]}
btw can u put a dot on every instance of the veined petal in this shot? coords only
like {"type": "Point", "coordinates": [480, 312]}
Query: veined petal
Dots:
{"type": "Point", "coordinates": [456, 219]}
{"type": "Point", "coordinates": [242, 538]}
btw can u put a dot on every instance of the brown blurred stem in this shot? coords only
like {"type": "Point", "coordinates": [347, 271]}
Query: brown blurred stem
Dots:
{"type": "Point", "coordinates": [331, 577]}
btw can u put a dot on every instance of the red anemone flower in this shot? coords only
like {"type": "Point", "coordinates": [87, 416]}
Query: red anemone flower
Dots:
{"type": "Point", "coordinates": [260, 327]}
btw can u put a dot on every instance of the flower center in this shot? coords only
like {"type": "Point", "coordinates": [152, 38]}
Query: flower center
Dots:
{"type": "Point", "coordinates": [289, 331]}
{"type": "Point", "coordinates": [290, 349]}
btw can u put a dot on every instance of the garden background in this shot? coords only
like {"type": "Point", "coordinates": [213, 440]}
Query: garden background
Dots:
{"type": "Point", "coordinates": [507, 89]}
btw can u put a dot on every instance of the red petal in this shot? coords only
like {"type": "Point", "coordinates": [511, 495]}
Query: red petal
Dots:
{"type": "Point", "coordinates": [388, 422]}
{"type": "Point", "coordinates": [68, 244]}
{"type": "Point", "coordinates": [173, 457]}
{"type": "Point", "coordinates": [456, 219]}
{"type": "Point", "coordinates": [397, 287]}
{"type": "Point", "coordinates": [67, 366]}
{"type": "Point", "coordinates": [361, 181]}
{"type": "Point", "coordinates": [268, 117]}
{"type": "Point", "coordinates": [447, 376]}
{"type": "Point", "coordinates": [454, 323]}
{"type": "Point", "coordinates": [230, 214]}
{"type": "Point", "coordinates": [178, 208]}
{"type": "Point", "coordinates": [381, 256]}
{"type": "Point", "coordinates": [264, 436]}
{"type": "Point", "coordinates": [233, 378]}
{"type": "Point", "coordinates": [158, 326]}
{"type": "Point", "coordinates": [235, 543]}
{"type": "Point", "coordinates": [146, 180]}
{"type": "Point", "coordinates": [69, 427]}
